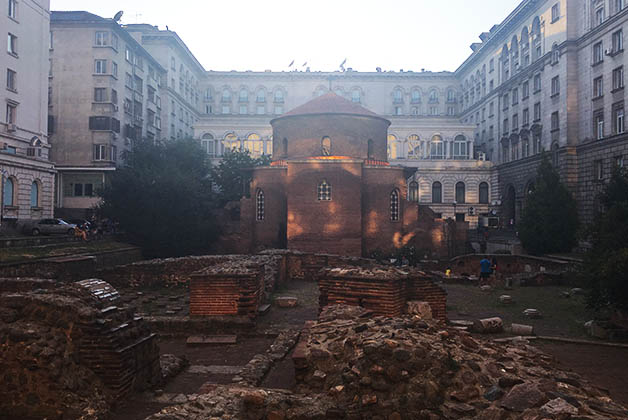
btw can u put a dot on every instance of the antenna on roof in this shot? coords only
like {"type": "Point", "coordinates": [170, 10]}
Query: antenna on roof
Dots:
{"type": "Point", "coordinates": [118, 16]}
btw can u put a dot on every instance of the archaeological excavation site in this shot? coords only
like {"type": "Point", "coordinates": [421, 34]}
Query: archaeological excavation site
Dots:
{"type": "Point", "coordinates": [277, 335]}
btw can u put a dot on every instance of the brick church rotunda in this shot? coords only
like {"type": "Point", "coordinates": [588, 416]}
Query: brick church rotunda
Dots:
{"type": "Point", "coordinates": [330, 187]}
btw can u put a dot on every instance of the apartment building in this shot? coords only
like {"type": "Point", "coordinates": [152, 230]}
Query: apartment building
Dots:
{"type": "Point", "coordinates": [105, 94]}
{"type": "Point", "coordinates": [26, 172]}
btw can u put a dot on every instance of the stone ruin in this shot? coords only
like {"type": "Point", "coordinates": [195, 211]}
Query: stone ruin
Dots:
{"type": "Point", "coordinates": [70, 351]}
{"type": "Point", "coordinates": [351, 365]}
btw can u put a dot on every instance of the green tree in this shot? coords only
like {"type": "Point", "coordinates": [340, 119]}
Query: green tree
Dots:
{"type": "Point", "coordinates": [232, 175]}
{"type": "Point", "coordinates": [550, 218]}
{"type": "Point", "coordinates": [607, 261]}
{"type": "Point", "coordinates": [163, 198]}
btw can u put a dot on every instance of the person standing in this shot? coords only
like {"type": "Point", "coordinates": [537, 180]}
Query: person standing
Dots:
{"type": "Point", "coordinates": [485, 270]}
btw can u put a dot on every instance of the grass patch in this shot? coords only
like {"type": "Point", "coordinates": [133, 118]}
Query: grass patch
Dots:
{"type": "Point", "coordinates": [561, 316]}
{"type": "Point", "coordinates": [9, 255]}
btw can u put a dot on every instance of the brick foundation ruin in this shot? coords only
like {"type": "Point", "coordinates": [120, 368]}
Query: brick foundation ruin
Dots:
{"type": "Point", "coordinates": [71, 349]}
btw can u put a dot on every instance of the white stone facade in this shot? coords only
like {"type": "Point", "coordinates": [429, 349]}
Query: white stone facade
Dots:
{"type": "Point", "coordinates": [27, 174]}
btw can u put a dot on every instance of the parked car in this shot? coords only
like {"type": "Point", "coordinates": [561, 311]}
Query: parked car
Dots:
{"type": "Point", "coordinates": [50, 226]}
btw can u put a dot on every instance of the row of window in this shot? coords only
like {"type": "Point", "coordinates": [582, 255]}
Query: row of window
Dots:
{"type": "Point", "coordinates": [324, 193]}
{"type": "Point", "coordinates": [435, 148]}
{"type": "Point", "coordinates": [11, 192]}
{"type": "Point", "coordinates": [598, 10]}
{"type": "Point", "coordinates": [521, 148]}
{"type": "Point", "coordinates": [460, 192]}
{"type": "Point", "coordinates": [618, 121]}
{"type": "Point", "coordinates": [617, 46]}
{"type": "Point", "coordinates": [243, 96]}
{"type": "Point", "coordinates": [415, 96]}
{"type": "Point", "coordinates": [243, 109]}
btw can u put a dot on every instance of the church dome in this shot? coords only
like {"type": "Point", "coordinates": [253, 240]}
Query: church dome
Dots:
{"type": "Point", "coordinates": [330, 125]}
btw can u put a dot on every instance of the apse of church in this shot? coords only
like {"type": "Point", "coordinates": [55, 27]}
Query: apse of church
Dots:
{"type": "Point", "coordinates": [330, 188]}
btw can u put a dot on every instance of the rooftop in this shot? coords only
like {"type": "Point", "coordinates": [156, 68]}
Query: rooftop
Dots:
{"type": "Point", "coordinates": [330, 103]}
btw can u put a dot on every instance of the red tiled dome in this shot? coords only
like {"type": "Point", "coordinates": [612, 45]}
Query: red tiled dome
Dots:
{"type": "Point", "coordinates": [330, 103]}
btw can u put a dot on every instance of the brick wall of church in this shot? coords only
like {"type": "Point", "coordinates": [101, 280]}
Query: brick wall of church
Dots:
{"type": "Point", "coordinates": [334, 226]}
{"type": "Point", "coordinates": [270, 232]}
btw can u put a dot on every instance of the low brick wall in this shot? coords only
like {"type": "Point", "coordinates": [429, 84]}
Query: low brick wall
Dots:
{"type": "Point", "coordinates": [382, 290]}
{"type": "Point", "coordinates": [226, 289]}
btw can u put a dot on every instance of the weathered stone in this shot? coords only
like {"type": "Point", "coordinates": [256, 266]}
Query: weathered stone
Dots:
{"type": "Point", "coordinates": [494, 393]}
{"type": "Point", "coordinates": [523, 396]}
{"type": "Point", "coordinates": [421, 309]}
{"type": "Point", "coordinates": [558, 407]}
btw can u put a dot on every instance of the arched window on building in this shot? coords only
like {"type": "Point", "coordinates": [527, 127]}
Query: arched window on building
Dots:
{"type": "Point", "coordinates": [326, 146]}
{"type": "Point", "coordinates": [536, 142]}
{"type": "Point", "coordinates": [356, 96]}
{"type": "Point", "coordinates": [324, 191]}
{"type": "Point", "coordinates": [9, 191]}
{"type": "Point", "coordinates": [35, 194]}
{"type": "Point", "coordinates": [254, 145]}
{"type": "Point", "coordinates": [437, 148]}
{"type": "Point", "coordinates": [413, 191]}
{"type": "Point", "coordinates": [397, 96]}
{"type": "Point", "coordinates": [433, 96]}
{"type": "Point", "coordinates": [394, 206]}
{"type": "Point", "coordinates": [226, 95]}
{"type": "Point", "coordinates": [284, 147]}
{"type": "Point", "coordinates": [525, 46]}
{"type": "Point", "coordinates": [279, 97]}
{"type": "Point", "coordinates": [208, 144]}
{"type": "Point", "coordinates": [259, 205]}
{"type": "Point", "coordinates": [483, 193]}
{"type": "Point", "coordinates": [437, 192]}
{"type": "Point", "coordinates": [555, 54]}
{"type": "Point", "coordinates": [231, 142]}
{"type": "Point", "coordinates": [416, 96]}
{"type": "Point", "coordinates": [414, 147]}
{"type": "Point", "coordinates": [260, 96]}
{"type": "Point", "coordinates": [393, 147]}
{"type": "Point", "coordinates": [369, 152]}
{"type": "Point", "coordinates": [244, 95]}
{"type": "Point", "coordinates": [537, 50]}
{"type": "Point", "coordinates": [460, 193]}
{"type": "Point", "coordinates": [505, 57]}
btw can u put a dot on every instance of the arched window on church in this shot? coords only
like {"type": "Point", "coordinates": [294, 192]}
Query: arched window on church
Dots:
{"type": "Point", "coordinates": [394, 206]}
{"type": "Point", "coordinates": [369, 152]}
{"type": "Point", "coordinates": [483, 193]}
{"type": "Point", "coordinates": [259, 205]}
{"type": "Point", "coordinates": [413, 191]}
{"type": "Point", "coordinates": [324, 191]}
{"type": "Point", "coordinates": [284, 147]}
{"type": "Point", "coordinates": [326, 146]}
{"type": "Point", "coordinates": [437, 192]}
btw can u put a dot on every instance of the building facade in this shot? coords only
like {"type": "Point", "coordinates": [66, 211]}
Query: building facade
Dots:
{"type": "Point", "coordinates": [27, 173]}
{"type": "Point", "coordinates": [550, 78]}
{"type": "Point", "coordinates": [105, 94]}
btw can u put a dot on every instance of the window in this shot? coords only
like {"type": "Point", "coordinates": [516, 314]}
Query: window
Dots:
{"type": "Point", "coordinates": [11, 114]}
{"type": "Point", "coordinates": [491, 65]}
{"type": "Point", "coordinates": [515, 96]}
{"type": "Point", "coordinates": [618, 41]}
{"type": "Point", "coordinates": [35, 194]}
{"type": "Point", "coordinates": [437, 148]}
{"type": "Point", "coordinates": [104, 124]}
{"type": "Point", "coordinates": [491, 110]}
{"type": "Point", "coordinates": [13, 9]}
{"type": "Point", "coordinates": [100, 153]}
{"type": "Point", "coordinates": [398, 110]}
{"type": "Point", "coordinates": [537, 111]}
{"type": "Point", "coordinates": [433, 96]}
{"type": "Point", "coordinates": [259, 205]}
{"type": "Point", "coordinates": [102, 39]}
{"type": "Point", "coordinates": [326, 146]}
{"type": "Point", "coordinates": [460, 193]}
{"type": "Point", "coordinates": [598, 125]}
{"type": "Point", "coordinates": [618, 117]}
{"type": "Point", "coordinates": [413, 191]}
{"type": "Point", "coordinates": [244, 95]}
{"type": "Point", "coordinates": [100, 94]}
{"type": "Point", "coordinates": [525, 120]}
{"type": "Point", "coordinates": [483, 193]}
{"type": "Point", "coordinates": [451, 96]}
{"type": "Point", "coordinates": [598, 53]}
{"type": "Point", "coordinates": [433, 110]}
{"type": "Point", "coordinates": [324, 191]}
{"type": "Point", "coordinates": [525, 148]}
{"type": "Point", "coordinates": [505, 126]}
{"type": "Point", "coordinates": [437, 192]}
{"type": "Point", "coordinates": [490, 86]}
{"type": "Point", "coordinates": [9, 190]}
{"type": "Point", "coordinates": [619, 5]}
{"type": "Point", "coordinates": [619, 161]}
{"type": "Point", "coordinates": [243, 110]}
{"type": "Point", "coordinates": [598, 87]}
{"type": "Point", "coordinates": [537, 83]}
{"type": "Point", "coordinates": [397, 96]}
{"type": "Point", "coordinates": [279, 96]}
{"type": "Point", "coordinates": [278, 110]}
{"type": "Point", "coordinates": [355, 96]}
{"type": "Point", "coordinates": [451, 110]}
{"type": "Point", "coordinates": [100, 66]}
{"type": "Point", "coordinates": [460, 148]}
{"type": "Point", "coordinates": [515, 122]}
{"type": "Point", "coordinates": [618, 78]}
{"type": "Point", "coordinates": [12, 44]}
{"type": "Point", "coordinates": [394, 206]}
{"type": "Point", "coordinates": [555, 12]}
{"type": "Point", "coordinates": [260, 110]}
{"type": "Point", "coordinates": [599, 16]}
{"type": "Point", "coordinates": [416, 96]}
{"type": "Point", "coordinates": [11, 80]}
{"type": "Point", "coordinates": [525, 90]}
{"type": "Point", "coordinates": [599, 170]}
{"type": "Point", "coordinates": [555, 86]}
{"type": "Point", "coordinates": [555, 121]}
{"type": "Point", "coordinates": [226, 109]}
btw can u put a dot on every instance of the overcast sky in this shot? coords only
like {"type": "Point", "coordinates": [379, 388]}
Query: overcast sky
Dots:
{"type": "Point", "coordinates": [258, 35]}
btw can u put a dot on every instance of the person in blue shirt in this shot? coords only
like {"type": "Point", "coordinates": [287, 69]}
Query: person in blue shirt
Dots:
{"type": "Point", "coordinates": [485, 270]}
